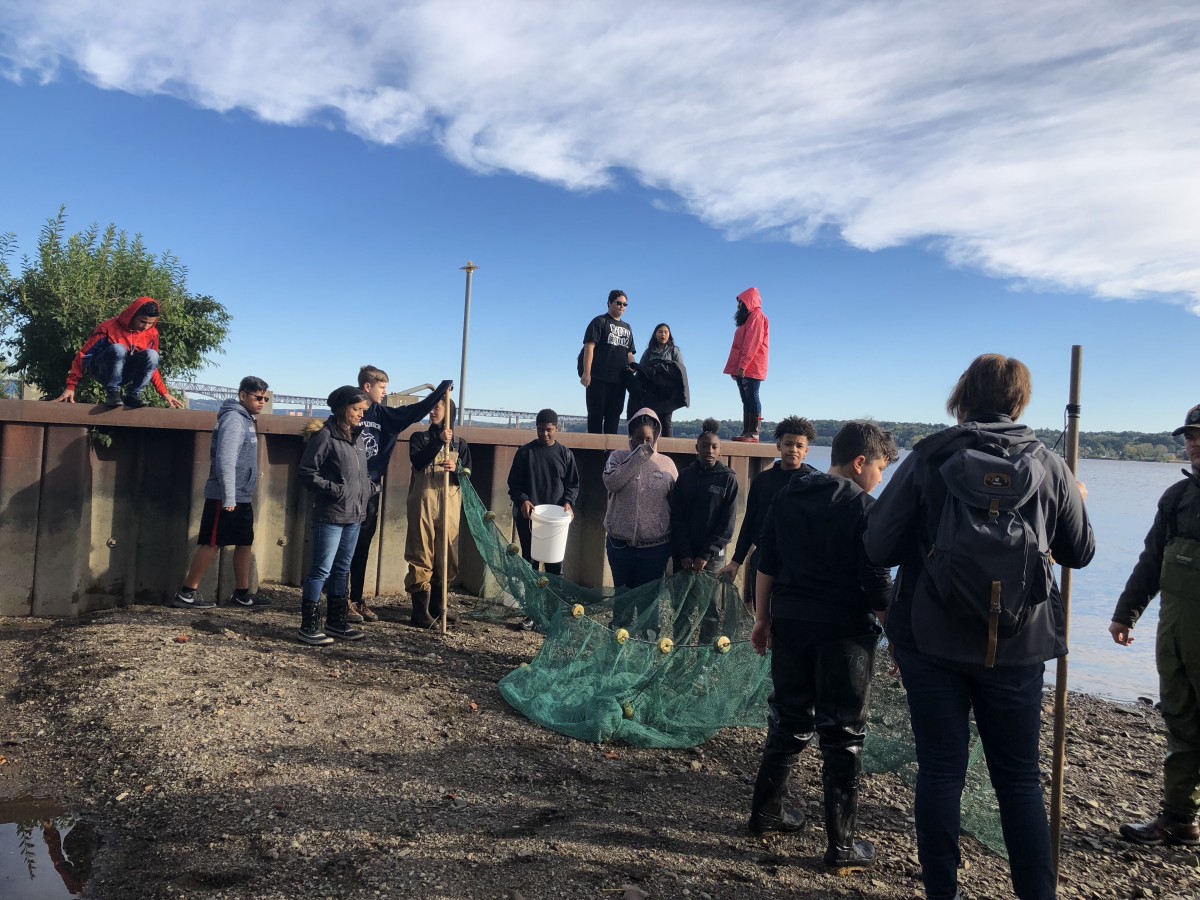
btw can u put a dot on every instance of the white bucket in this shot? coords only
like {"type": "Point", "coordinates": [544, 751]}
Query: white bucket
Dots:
{"type": "Point", "coordinates": [548, 526]}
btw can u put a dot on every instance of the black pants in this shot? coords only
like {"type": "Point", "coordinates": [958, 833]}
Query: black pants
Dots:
{"type": "Point", "coordinates": [525, 536]}
{"type": "Point", "coordinates": [821, 686]}
{"type": "Point", "coordinates": [604, 402]}
{"type": "Point", "coordinates": [366, 534]}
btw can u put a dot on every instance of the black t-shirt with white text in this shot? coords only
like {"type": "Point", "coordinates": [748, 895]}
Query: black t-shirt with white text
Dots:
{"type": "Point", "coordinates": [614, 343]}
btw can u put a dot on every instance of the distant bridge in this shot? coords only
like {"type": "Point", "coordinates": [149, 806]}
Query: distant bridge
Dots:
{"type": "Point", "coordinates": [510, 418]}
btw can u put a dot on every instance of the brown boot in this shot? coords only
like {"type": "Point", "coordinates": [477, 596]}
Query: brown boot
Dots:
{"type": "Point", "coordinates": [420, 610]}
{"type": "Point", "coordinates": [368, 614]}
{"type": "Point", "coordinates": [1163, 829]}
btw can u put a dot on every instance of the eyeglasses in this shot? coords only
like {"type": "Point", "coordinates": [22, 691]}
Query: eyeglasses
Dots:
{"type": "Point", "coordinates": [619, 303]}
{"type": "Point", "coordinates": [259, 398]}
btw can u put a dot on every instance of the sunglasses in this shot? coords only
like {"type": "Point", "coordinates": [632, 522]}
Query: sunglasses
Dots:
{"type": "Point", "coordinates": [261, 398]}
{"type": "Point", "coordinates": [619, 303]}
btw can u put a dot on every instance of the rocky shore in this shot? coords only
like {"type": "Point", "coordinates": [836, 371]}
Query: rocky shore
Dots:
{"type": "Point", "coordinates": [217, 757]}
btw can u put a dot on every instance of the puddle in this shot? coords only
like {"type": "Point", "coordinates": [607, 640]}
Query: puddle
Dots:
{"type": "Point", "coordinates": [45, 851]}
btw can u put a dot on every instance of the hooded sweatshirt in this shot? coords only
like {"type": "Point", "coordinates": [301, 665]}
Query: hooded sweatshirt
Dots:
{"type": "Point", "coordinates": [703, 507]}
{"type": "Point", "coordinates": [118, 330]}
{"type": "Point", "coordinates": [904, 521]}
{"type": "Point", "coordinates": [335, 470]}
{"type": "Point", "coordinates": [751, 341]}
{"type": "Point", "coordinates": [763, 488]}
{"type": "Point", "coordinates": [812, 546]}
{"type": "Point", "coordinates": [383, 424]}
{"type": "Point", "coordinates": [233, 456]}
{"type": "Point", "coordinates": [639, 483]}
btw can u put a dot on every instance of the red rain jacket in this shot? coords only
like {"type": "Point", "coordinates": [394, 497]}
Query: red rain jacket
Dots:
{"type": "Point", "coordinates": [118, 330]}
{"type": "Point", "coordinates": [751, 341]}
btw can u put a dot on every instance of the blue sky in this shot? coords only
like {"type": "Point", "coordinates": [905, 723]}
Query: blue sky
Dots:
{"type": "Point", "coordinates": [324, 170]}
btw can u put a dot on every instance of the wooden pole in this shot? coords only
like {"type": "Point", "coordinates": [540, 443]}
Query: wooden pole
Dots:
{"type": "Point", "coordinates": [447, 425]}
{"type": "Point", "coordinates": [1060, 678]}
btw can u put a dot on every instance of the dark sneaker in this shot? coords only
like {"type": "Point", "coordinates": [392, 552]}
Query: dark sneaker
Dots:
{"type": "Point", "coordinates": [314, 638]}
{"type": "Point", "coordinates": [133, 401]}
{"type": "Point", "coordinates": [527, 625]}
{"type": "Point", "coordinates": [194, 600]}
{"type": "Point", "coordinates": [353, 615]}
{"type": "Point", "coordinates": [1162, 830]}
{"type": "Point", "coordinates": [112, 398]}
{"type": "Point", "coordinates": [344, 632]}
{"type": "Point", "coordinates": [790, 822]}
{"type": "Point", "coordinates": [250, 601]}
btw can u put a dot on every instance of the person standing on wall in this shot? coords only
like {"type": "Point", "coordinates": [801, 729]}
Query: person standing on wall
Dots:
{"type": "Point", "coordinates": [747, 362]}
{"type": "Point", "coordinates": [608, 350]}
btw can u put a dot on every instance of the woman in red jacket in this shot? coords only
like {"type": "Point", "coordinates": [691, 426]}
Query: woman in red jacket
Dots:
{"type": "Point", "coordinates": [748, 359]}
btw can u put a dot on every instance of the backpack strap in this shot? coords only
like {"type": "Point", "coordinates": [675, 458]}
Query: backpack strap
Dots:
{"type": "Point", "coordinates": [993, 625]}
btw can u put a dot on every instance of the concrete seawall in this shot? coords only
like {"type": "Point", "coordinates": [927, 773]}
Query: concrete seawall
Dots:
{"type": "Point", "coordinates": [85, 526]}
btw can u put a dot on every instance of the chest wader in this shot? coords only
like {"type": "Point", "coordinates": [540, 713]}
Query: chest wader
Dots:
{"type": "Point", "coordinates": [1177, 654]}
{"type": "Point", "coordinates": [423, 543]}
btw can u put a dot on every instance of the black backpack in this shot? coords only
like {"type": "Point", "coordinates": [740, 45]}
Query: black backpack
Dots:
{"type": "Point", "coordinates": [990, 560]}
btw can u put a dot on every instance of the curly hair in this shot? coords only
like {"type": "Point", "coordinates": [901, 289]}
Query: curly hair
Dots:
{"type": "Point", "coordinates": [796, 425]}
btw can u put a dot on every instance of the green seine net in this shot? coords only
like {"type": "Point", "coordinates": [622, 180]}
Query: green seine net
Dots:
{"type": "Point", "coordinates": [677, 670]}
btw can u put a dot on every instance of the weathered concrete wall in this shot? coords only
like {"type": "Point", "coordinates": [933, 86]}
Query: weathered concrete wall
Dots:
{"type": "Point", "coordinates": [84, 526]}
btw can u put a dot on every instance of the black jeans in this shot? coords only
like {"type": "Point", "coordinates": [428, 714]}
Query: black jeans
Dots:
{"type": "Point", "coordinates": [604, 403]}
{"type": "Point", "coordinates": [358, 564]}
{"type": "Point", "coordinates": [1007, 701]}
{"type": "Point", "coordinates": [821, 685]}
{"type": "Point", "coordinates": [525, 536]}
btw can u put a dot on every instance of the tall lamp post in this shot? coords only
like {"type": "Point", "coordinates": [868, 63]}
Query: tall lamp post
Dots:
{"type": "Point", "coordinates": [469, 268]}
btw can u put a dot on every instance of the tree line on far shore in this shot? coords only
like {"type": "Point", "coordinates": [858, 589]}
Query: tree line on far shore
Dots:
{"type": "Point", "coordinates": [1130, 445]}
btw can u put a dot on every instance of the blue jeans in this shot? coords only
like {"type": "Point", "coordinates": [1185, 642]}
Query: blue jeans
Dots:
{"type": "Point", "coordinates": [332, 550]}
{"type": "Point", "coordinates": [116, 366]}
{"type": "Point", "coordinates": [1008, 712]}
{"type": "Point", "coordinates": [632, 567]}
{"type": "Point", "coordinates": [751, 407]}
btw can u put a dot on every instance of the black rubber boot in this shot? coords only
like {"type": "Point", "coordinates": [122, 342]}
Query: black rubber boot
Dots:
{"type": "Point", "coordinates": [420, 610]}
{"type": "Point", "coordinates": [435, 606]}
{"type": "Point", "coordinates": [844, 855]}
{"type": "Point", "coordinates": [767, 815]}
{"type": "Point", "coordinates": [310, 624]}
{"type": "Point", "coordinates": [336, 624]}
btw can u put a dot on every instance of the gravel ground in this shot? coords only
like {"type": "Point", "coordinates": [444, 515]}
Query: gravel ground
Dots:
{"type": "Point", "coordinates": [218, 757]}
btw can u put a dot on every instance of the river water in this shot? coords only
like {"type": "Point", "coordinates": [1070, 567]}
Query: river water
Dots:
{"type": "Point", "coordinates": [1122, 497]}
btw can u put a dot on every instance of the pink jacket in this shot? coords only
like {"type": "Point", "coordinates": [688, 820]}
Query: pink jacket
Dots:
{"type": "Point", "coordinates": [751, 341]}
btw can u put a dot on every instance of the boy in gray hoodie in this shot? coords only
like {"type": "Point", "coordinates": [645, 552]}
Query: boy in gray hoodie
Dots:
{"type": "Point", "coordinates": [228, 516]}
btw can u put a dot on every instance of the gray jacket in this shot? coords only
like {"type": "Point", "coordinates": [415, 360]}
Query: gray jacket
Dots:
{"type": "Point", "coordinates": [335, 470]}
{"type": "Point", "coordinates": [233, 457]}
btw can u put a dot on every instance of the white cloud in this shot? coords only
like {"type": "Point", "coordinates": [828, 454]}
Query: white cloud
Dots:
{"type": "Point", "coordinates": [1051, 143]}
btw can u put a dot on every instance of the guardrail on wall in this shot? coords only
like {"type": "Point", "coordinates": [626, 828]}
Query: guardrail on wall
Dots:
{"type": "Point", "coordinates": [87, 524]}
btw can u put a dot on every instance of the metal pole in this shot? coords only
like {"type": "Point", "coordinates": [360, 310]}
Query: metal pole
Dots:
{"type": "Point", "coordinates": [469, 268]}
{"type": "Point", "coordinates": [445, 586]}
{"type": "Point", "coordinates": [1060, 678]}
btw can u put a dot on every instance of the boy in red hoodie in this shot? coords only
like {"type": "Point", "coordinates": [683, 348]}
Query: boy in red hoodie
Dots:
{"type": "Point", "coordinates": [122, 353]}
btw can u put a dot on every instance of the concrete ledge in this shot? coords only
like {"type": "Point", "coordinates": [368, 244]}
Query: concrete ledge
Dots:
{"type": "Point", "coordinates": [86, 526]}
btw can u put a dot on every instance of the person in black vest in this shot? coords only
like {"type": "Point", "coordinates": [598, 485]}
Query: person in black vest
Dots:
{"type": "Point", "coordinates": [942, 650]}
{"type": "Point", "coordinates": [608, 349]}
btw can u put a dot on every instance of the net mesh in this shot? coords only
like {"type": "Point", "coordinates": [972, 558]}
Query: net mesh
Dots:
{"type": "Point", "coordinates": [669, 664]}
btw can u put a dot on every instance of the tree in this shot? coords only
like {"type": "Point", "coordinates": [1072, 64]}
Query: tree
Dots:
{"type": "Point", "coordinates": [76, 282]}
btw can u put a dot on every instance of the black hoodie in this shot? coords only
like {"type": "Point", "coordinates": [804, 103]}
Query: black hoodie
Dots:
{"type": "Point", "coordinates": [812, 546]}
{"type": "Point", "coordinates": [905, 519]}
{"type": "Point", "coordinates": [763, 488]}
{"type": "Point", "coordinates": [703, 507]}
